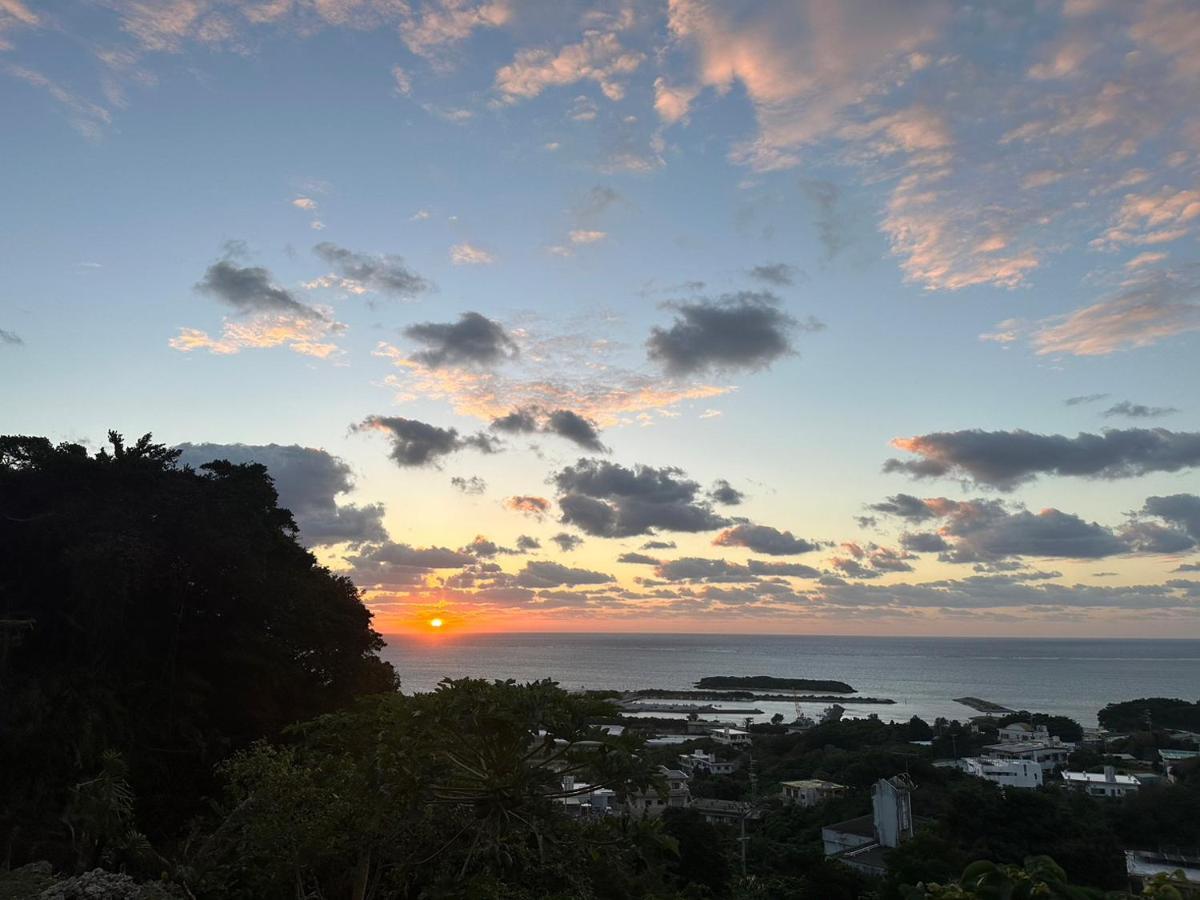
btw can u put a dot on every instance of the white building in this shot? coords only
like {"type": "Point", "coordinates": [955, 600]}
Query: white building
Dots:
{"type": "Point", "coordinates": [1020, 740]}
{"type": "Point", "coordinates": [1022, 773]}
{"type": "Point", "coordinates": [1142, 865]}
{"type": "Point", "coordinates": [699, 761]}
{"type": "Point", "coordinates": [810, 791]}
{"type": "Point", "coordinates": [730, 737]}
{"type": "Point", "coordinates": [1103, 784]}
{"type": "Point", "coordinates": [862, 842]}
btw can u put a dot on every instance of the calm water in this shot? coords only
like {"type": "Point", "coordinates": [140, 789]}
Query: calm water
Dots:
{"type": "Point", "coordinates": [1073, 677]}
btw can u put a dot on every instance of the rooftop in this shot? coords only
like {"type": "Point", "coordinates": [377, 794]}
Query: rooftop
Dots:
{"type": "Point", "coordinates": [1099, 778]}
{"type": "Point", "coordinates": [813, 784]}
{"type": "Point", "coordinates": [863, 826]}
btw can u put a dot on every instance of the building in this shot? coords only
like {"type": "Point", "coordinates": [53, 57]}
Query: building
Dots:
{"type": "Point", "coordinates": [1143, 865]}
{"type": "Point", "coordinates": [1103, 784]}
{"type": "Point", "coordinates": [726, 812]}
{"type": "Point", "coordinates": [810, 791]}
{"type": "Point", "coordinates": [730, 737]}
{"type": "Point", "coordinates": [1020, 740]}
{"type": "Point", "coordinates": [1022, 773]}
{"type": "Point", "coordinates": [862, 842]}
{"type": "Point", "coordinates": [651, 804]}
{"type": "Point", "coordinates": [585, 800]}
{"type": "Point", "coordinates": [1172, 758]}
{"type": "Point", "coordinates": [699, 761]}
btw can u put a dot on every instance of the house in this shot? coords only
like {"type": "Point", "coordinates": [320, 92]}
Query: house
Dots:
{"type": "Point", "coordinates": [585, 800]}
{"type": "Point", "coordinates": [651, 804]}
{"type": "Point", "coordinates": [1020, 740]}
{"type": "Point", "coordinates": [1103, 784]}
{"type": "Point", "coordinates": [810, 791]}
{"type": "Point", "coordinates": [730, 737]}
{"type": "Point", "coordinates": [1022, 773]}
{"type": "Point", "coordinates": [1171, 758]}
{"type": "Point", "coordinates": [862, 842]}
{"type": "Point", "coordinates": [726, 812]}
{"type": "Point", "coordinates": [699, 761]}
{"type": "Point", "coordinates": [1143, 865]}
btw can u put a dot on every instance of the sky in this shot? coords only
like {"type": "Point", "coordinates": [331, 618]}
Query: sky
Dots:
{"type": "Point", "coordinates": [800, 317]}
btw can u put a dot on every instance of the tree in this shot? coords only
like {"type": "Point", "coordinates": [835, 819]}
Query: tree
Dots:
{"type": "Point", "coordinates": [1040, 876]}
{"type": "Point", "coordinates": [174, 619]}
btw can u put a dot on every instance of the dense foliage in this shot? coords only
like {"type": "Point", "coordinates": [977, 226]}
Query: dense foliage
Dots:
{"type": "Point", "coordinates": [1157, 712]}
{"type": "Point", "coordinates": [154, 619]}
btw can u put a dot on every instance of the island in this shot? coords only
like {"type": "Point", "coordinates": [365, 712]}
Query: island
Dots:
{"type": "Point", "coordinates": [767, 682]}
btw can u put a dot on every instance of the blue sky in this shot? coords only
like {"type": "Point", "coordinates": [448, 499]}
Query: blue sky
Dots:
{"type": "Point", "coordinates": [748, 242]}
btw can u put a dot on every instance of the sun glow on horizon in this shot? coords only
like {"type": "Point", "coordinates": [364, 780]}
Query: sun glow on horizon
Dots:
{"type": "Point", "coordinates": [436, 623]}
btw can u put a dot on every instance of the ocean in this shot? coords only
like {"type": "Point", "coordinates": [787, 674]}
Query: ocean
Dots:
{"type": "Point", "coordinates": [1071, 677]}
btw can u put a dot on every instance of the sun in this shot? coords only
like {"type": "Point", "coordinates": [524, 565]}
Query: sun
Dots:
{"type": "Point", "coordinates": [436, 623]}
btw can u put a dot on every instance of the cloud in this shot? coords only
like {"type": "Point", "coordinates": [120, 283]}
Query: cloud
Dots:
{"type": "Point", "coordinates": [402, 81]}
{"type": "Point", "coordinates": [871, 561]}
{"type": "Point", "coordinates": [1182, 510]}
{"type": "Point", "coordinates": [658, 545]}
{"type": "Point", "coordinates": [739, 331]}
{"type": "Point", "coordinates": [474, 340]}
{"type": "Point", "coordinates": [609, 500]}
{"type": "Point", "coordinates": [391, 565]}
{"type": "Point", "coordinates": [638, 559]}
{"type": "Point", "coordinates": [308, 481]}
{"type": "Point", "coordinates": [983, 530]}
{"type": "Point", "coordinates": [1147, 310]}
{"type": "Point", "coordinates": [529, 505]}
{"type": "Point", "coordinates": [249, 289]}
{"type": "Point", "coordinates": [303, 335]}
{"type": "Point", "coordinates": [725, 493]}
{"type": "Point", "coordinates": [11, 338]}
{"type": "Point", "coordinates": [552, 574]}
{"type": "Point", "coordinates": [567, 542]}
{"type": "Point", "coordinates": [362, 272]}
{"type": "Point", "coordinates": [465, 254]}
{"type": "Point", "coordinates": [598, 57]}
{"type": "Point", "coordinates": [471, 485]}
{"type": "Point", "coordinates": [587, 236]}
{"type": "Point", "coordinates": [1084, 398]}
{"type": "Point", "coordinates": [693, 568]}
{"type": "Point", "coordinates": [1005, 459]}
{"type": "Point", "coordinates": [526, 543]}
{"type": "Point", "coordinates": [306, 203]}
{"type": "Point", "coordinates": [441, 23]}
{"type": "Point", "coordinates": [416, 443]}
{"type": "Point", "coordinates": [775, 274]}
{"type": "Point", "coordinates": [562, 422]}
{"type": "Point", "coordinates": [764, 539]}
{"type": "Point", "coordinates": [1137, 410]}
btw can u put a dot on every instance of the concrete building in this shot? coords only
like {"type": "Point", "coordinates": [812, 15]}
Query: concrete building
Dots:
{"type": "Point", "coordinates": [730, 737]}
{"type": "Point", "coordinates": [1020, 740]}
{"type": "Point", "coordinates": [1143, 865]}
{"type": "Point", "coordinates": [586, 801]}
{"type": "Point", "coordinates": [699, 761]}
{"type": "Point", "coordinates": [861, 842]}
{"type": "Point", "coordinates": [1022, 773]}
{"type": "Point", "coordinates": [651, 804]}
{"type": "Point", "coordinates": [726, 812]}
{"type": "Point", "coordinates": [810, 791]}
{"type": "Point", "coordinates": [1103, 784]}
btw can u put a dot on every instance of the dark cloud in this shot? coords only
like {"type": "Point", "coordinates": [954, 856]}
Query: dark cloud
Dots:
{"type": "Point", "coordinates": [1187, 567]}
{"type": "Point", "coordinates": [1005, 459]}
{"type": "Point", "coordinates": [866, 521]}
{"type": "Point", "coordinates": [640, 559]}
{"type": "Point", "coordinates": [562, 422]}
{"type": "Point", "coordinates": [1084, 398]}
{"type": "Point", "coordinates": [739, 331]}
{"type": "Point", "coordinates": [904, 506]}
{"type": "Point", "coordinates": [574, 427]}
{"type": "Point", "coordinates": [924, 542]}
{"type": "Point", "coordinates": [525, 543]}
{"type": "Point", "coordinates": [416, 443]}
{"type": "Point", "coordinates": [474, 340]}
{"type": "Point", "coordinates": [609, 500]}
{"type": "Point", "coordinates": [391, 565]}
{"type": "Point", "coordinates": [831, 228]}
{"type": "Point", "coordinates": [383, 273]}
{"type": "Point", "coordinates": [1149, 537]}
{"type": "Point", "coordinates": [483, 548]}
{"type": "Point", "coordinates": [986, 530]}
{"type": "Point", "coordinates": [1137, 410]}
{"type": "Point", "coordinates": [249, 289]}
{"type": "Point", "coordinates": [308, 481]}
{"type": "Point", "coordinates": [472, 485]}
{"type": "Point", "coordinates": [1179, 509]}
{"type": "Point", "coordinates": [764, 539]}
{"type": "Point", "coordinates": [871, 561]}
{"type": "Point", "coordinates": [776, 274]}
{"type": "Point", "coordinates": [695, 568]}
{"type": "Point", "coordinates": [725, 493]}
{"type": "Point", "coordinates": [552, 574]}
{"type": "Point", "coordinates": [11, 338]}
{"type": "Point", "coordinates": [566, 541]}
{"type": "Point", "coordinates": [658, 545]}
{"type": "Point", "coordinates": [529, 505]}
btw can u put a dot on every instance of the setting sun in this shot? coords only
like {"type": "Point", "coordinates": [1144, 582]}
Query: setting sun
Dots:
{"type": "Point", "coordinates": [435, 623]}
